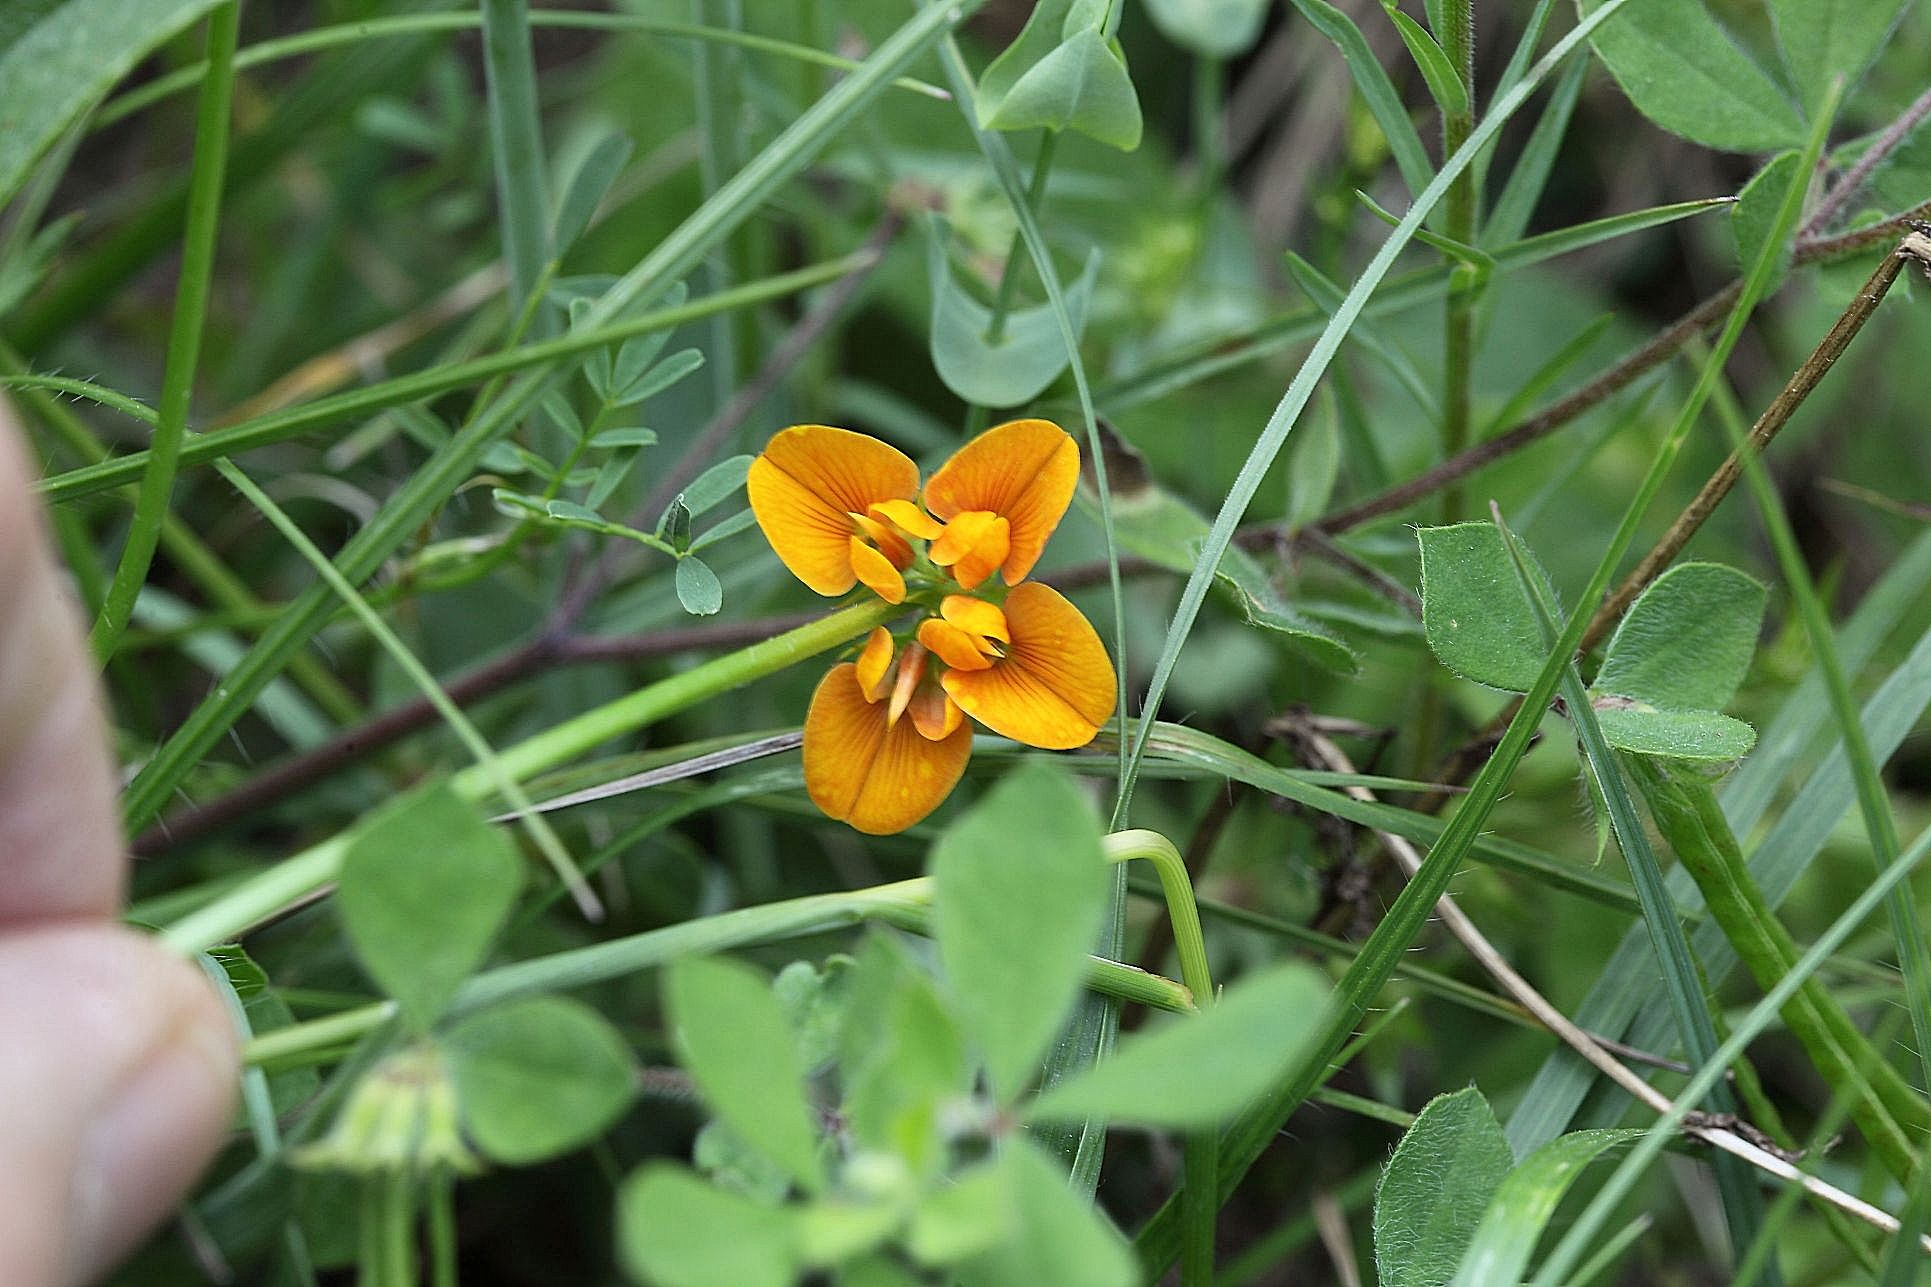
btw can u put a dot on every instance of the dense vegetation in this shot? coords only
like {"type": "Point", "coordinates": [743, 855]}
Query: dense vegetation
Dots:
{"type": "Point", "coordinates": [398, 370]}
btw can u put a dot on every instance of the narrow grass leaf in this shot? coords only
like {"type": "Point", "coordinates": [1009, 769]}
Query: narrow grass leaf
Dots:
{"type": "Point", "coordinates": [1513, 1221]}
{"type": "Point", "coordinates": [1376, 89]}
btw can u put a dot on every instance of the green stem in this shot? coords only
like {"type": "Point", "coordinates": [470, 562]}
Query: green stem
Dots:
{"type": "Point", "coordinates": [906, 904]}
{"type": "Point", "coordinates": [279, 426]}
{"type": "Point", "coordinates": [978, 417]}
{"type": "Point", "coordinates": [1459, 215]}
{"type": "Point", "coordinates": [1188, 942]}
{"type": "Point", "coordinates": [1200, 1151]}
{"type": "Point", "coordinates": [1886, 1110]}
{"type": "Point", "coordinates": [349, 33]}
{"type": "Point", "coordinates": [302, 875]}
{"type": "Point", "coordinates": [442, 1230]}
{"type": "Point", "coordinates": [398, 1230]}
{"type": "Point", "coordinates": [236, 605]}
{"type": "Point", "coordinates": [1210, 158]}
{"type": "Point", "coordinates": [1880, 828]}
{"type": "Point", "coordinates": [184, 335]}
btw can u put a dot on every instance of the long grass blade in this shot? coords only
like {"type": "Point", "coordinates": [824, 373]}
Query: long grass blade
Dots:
{"type": "Point", "coordinates": [438, 478]}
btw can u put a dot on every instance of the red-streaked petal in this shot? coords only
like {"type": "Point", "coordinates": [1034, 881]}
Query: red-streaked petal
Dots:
{"type": "Point", "coordinates": [911, 674]}
{"type": "Point", "coordinates": [973, 546]}
{"type": "Point", "coordinates": [908, 518]}
{"type": "Point", "coordinates": [875, 570]}
{"type": "Point", "coordinates": [1055, 686]}
{"type": "Point", "coordinates": [976, 616]}
{"type": "Point", "coordinates": [885, 539]}
{"type": "Point", "coordinates": [859, 771]}
{"type": "Point", "coordinates": [1023, 470]}
{"type": "Point", "coordinates": [952, 645]}
{"type": "Point", "coordinates": [875, 663]}
{"type": "Point", "coordinates": [935, 715]}
{"type": "Point", "coordinates": [804, 488]}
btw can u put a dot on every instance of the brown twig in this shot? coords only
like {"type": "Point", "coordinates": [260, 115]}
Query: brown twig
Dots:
{"type": "Point", "coordinates": [1719, 1133]}
{"type": "Point", "coordinates": [298, 772]}
{"type": "Point", "coordinates": [1775, 416]}
{"type": "Point", "coordinates": [1639, 362]}
{"type": "Point", "coordinates": [1874, 155]}
{"type": "Point", "coordinates": [1469, 756]}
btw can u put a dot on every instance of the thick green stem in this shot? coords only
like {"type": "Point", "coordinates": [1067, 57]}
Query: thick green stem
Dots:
{"type": "Point", "coordinates": [184, 335]}
{"type": "Point", "coordinates": [1458, 336]}
{"type": "Point", "coordinates": [308, 872]}
{"type": "Point", "coordinates": [905, 904]}
{"type": "Point", "coordinates": [1886, 1110]}
{"type": "Point", "coordinates": [1200, 1161]}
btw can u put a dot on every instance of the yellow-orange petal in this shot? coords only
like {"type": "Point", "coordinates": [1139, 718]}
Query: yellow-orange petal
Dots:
{"type": "Point", "coordinates": [908, 518]}
{"type": "Point", "coordinates": [976, 616]}
{"type": "Point", "coordinates": [875, 663]}
{"type": "Point", "coordinates": [875, 570]}
{"type": "Point", "coordinates": [973, 546]}
{"type": "Point", "coordinates": [1024, 471]}
{"type": "Point", "coordinates": [935, 715]}
{"type": "Point", "coordinates": [952, 645]}
{"type": "Point", "coordinates": [879, 779]}
{"type": "Point", "coordinates": [806, 485]}
{"type": "Point", "coordinates": [1055, 685]}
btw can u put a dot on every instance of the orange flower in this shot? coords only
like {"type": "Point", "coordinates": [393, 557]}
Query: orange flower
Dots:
{"type": "Point", "coordinates": [886, 738]}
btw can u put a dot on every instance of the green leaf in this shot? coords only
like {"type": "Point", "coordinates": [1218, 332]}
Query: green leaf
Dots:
{"type": "Point", "coordinates": [742, 521]}
{"type": "Point", "coordinates": [1472, 609]}
{"type": "Point", "coordinates": [1197, 1070]}
{"type": "Point", "coordinates": [1685, 72]}
{"type": "Point", "coordinates": [1313, 465]}
{"type": "Point", "coordinates": [716, 484]}
{"type": "Point", "coordinates": [1020, 883]}
{"type": "Point", "coordinates": [1044, 29]}
{"type": "Point", "coordinates": [1755, 213]}
{"type": "Point", "coordinates": [586, 190]}
{"type": "Point", "coordinates": [425, 886]}
{"type": "Point", "coordinates": [962, 1218]}
{"type": "Point", "coordinates": [674, 1230]}
{"type": "Point", "coordinates": [1444, 81]}
{"type": "Point", "coordinates": [698, 589]}
{"type": "Point", "coordinates": [573, 512]}
{"type": "Point", "coordinates": [1376, 89]}
{"type": "Point", "coordinates": [834, 1230]}
{"type": "Point", "coordinates": [1158, 526]}
{"type": "Point", "coordinates": [901, 1058]}
{"type": "Point", "coordinates": [58, 60]}
{"type": "Point", "coordinates": [731, 1036]}
{"type": "Point", "coordinates": [1683, 735]}
{"type": "Point", "coordinates": [1030, 352]}
{"type": "Point", "coordinates": [1522, 1205]}
{"type": "Point", "coordinates": [1082, 85]}
{"type": "Point", "coordinates": [1824, 39]}
{"type": "Point", "coordinates": [1211, 28]}
{"type": "Point", "coordinates": [1434, 1188]}
{"type": "Point", "coordinates": [1687, 641]}
{"type": "Point", "coordinates": [656, 380]}
{"type": "Point", "coordinates": [1056, 1236]}
{"type": "Point", "coordinates": [633, 436]}
{"type": "Point", "coordinates": [675, 525]}
{"type": "Point", "coordinates": [538, 1076]}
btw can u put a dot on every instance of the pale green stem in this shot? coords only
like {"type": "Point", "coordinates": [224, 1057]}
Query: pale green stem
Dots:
{"type": "Point", "coordinates": [905, 903]}
{"type": "Point", "coordinates": [545, 838]}
{"type": "Point", "coordinates": [307, 873]}
{"type": "Point", "coordinates": [1200, 1161]}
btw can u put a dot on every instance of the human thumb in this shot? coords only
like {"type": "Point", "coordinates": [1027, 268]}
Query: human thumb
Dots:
{"type": "Point", "coordinates": [116, 1079]}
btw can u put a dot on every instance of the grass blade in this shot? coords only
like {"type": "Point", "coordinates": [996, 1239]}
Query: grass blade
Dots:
{"type": "Point", "coordinates": [184, 332]}
{"type": "Point", "coordinates": [675, 256]}
{"type": "Point", "coordinates": [516, 140]}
